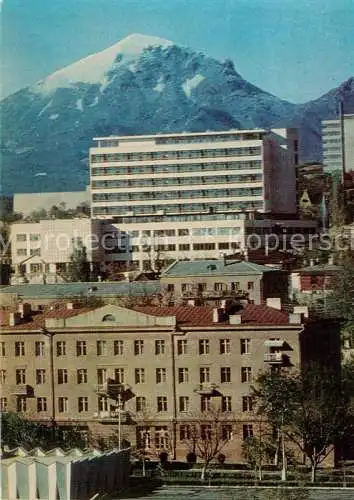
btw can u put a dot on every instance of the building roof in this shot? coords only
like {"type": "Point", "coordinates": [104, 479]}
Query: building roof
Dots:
{"type": "Point", "coordinates": [186, 316]}
{"type": "Point", "coordinates": [95, 289]}
{"type": "Point", "coordinates": [320, 269]}
{"type": "Point", "coordinates": [210, 267]}
{"type": "Point", "coordinates": [251, 314]}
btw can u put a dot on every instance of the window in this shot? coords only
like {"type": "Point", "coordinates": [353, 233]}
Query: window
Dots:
{"type": "Point", "coordinates": [183, 375]}
{"type": "Point", "coordinates": [119, 375]}
{"type": "Point", "coordinates": [181, 346]}
{"type": "Point", "coordinates": [21, 404]}
{"type": "Point", "coordinates": [161, 437]}
{"type": "Point", "coordinates": [62, 376]}
{"type": "Point", "coordinates": [226, 403]}
{"type": "Point", "coordinates": [21, 252]}
{"type": "Point", "coordinates": [245, 345]}
{"type": "Point", "coordinates": [225, 374]}
{"type": "Point", "coordinates": [101, 346]}
{"type": "Point", "coordinates": [138, 347]}
{"type": "Point", "coordinates": [108, 317]}
{"type": "Point", "coordinates": [247, 403]}
{"type": "Point", "coordinates": [40, 376]}
{"type": "Point", "coordinates": [102, 403]}
{"type": "Point", "coordinates": [82, 404]}
{"type": "Point", "coordinates": [161, 403]}
{"type": "Point", "coordinates": [19, 348]}
{"type": "Point", "coordinates": [206, 431]}
{"type": "Point", "coordinates": [205, 403]}
{"type": "Point", "coordinates": [226, 432]}
{"type": "Point", "coordinates": [184, 432]}
{"type": "Point", "coordinates": [39, 348]}
{"type": "Point", "coordinates": [35, 251]}
{"type": "Point", "coordinates": [161, 375]}
{"type": "Point", "coordinates": [63, 405]}
{"type": "Point", "coordinates": [204, 375]}
{"type": "Point", "coordinates": [246, 374]}
{"type": "Point", "coordinates": [81, 348]}
{"type": "Point", "coordinates": [185, 247]}
{"type": "Point", "coordinates": [143, 438]}
{"type": "Point", "coordinates": [3, 404]}
{"type": "Point", "coordinates": [225, 346]}
{"type": "Point", "coordinates": [139, 375]}
{"type": "Point", "coordinates": [35, 268]}
{"type": "Point", "coordinates": [170, 288]}
{"type": "Point", "coordinates": [82, 376]}
{"type": "Point", "coordinates": [235, 286]}
{"type": "Point", "coordinates": [2, 349]}
{"type": "Point", "coordinates": [183, 232]}
{"type": "Point", "coordinates": [219, 287]}
{"type": "Point", "coordinates": [247, 430]}
{"type": "Point", "coordinates": [20, 376]}
{"type": "Point", "coordinates": [61, 348]}
{"type": "Point", "coordinates": [183, 403]}
{"type": "Point", "coordinates": [203, 346]}
{"type": "Point", "coordinates": [2, 376]}
{"type": "Point", "coordinates": [35, 237]}
{"type": "Point", "coordinates": [41, 404]}
{"type": "Point", "coordinates": [159, 347]}
{"type": "Point", "coordinates": [101, 376]}
{"type": "Point", "coordinates": [118, 347]}
{"type": "Point", "coordinates": [140, 403]}
{"type": "Point", "coordinates": [21, 237]}
{"type": "Point", "coordinates": [250, 285]}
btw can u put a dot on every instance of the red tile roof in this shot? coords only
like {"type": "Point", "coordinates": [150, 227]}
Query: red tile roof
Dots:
{"type": "Point", "coordinates": [185, 316]}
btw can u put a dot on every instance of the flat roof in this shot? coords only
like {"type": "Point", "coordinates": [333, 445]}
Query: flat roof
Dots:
{"type": "Point", "coordinates": [76, 290]}
{"type": "Point", "coordinates": [215, 267]}
{"type": "Point", "coordinates": [183, 134]}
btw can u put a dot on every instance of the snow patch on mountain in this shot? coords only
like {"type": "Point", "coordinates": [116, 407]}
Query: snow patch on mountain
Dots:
{"type": "Point", "coordinates": [94, 102]}
{"type": "Point", "coordinates": [160, 86]}
{"type": "Point", "coordinates": [79, 105]}
{"type": "Point", "coordinates": [93, 69]}
{"type": "Point", "coordinates": [192, 83]}
{"type": "Point", "coordinates": [48, 105]}
{"type": "Point", "coordinates": [54, 116]}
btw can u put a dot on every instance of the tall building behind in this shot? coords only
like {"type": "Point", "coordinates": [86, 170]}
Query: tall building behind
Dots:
{"type": "Point", "coordinates": [338, 143]}
{"type": "Point", "coordinates": [192, 191]}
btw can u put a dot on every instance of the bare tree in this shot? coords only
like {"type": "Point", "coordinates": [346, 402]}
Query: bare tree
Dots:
{"type": "Point", "coordinates": [209, 432]}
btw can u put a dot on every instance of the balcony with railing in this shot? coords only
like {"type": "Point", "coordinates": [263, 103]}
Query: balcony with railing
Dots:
{"type": "Point", "coordinates": [112, 416]}
{"type": "Point", "coordinates": [21, 390]}
{"type": "Point", "coordinates": [274, 357]}
{"type": "Point", "coordinates": [207, 389]}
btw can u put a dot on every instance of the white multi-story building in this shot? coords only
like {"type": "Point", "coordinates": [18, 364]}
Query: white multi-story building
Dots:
{"type": "Point", "coordinates": [41, 251]}
{"type": "Point", "coordinates": [189, 195]}
{"type": "Point", "coordinates": [338, 143]}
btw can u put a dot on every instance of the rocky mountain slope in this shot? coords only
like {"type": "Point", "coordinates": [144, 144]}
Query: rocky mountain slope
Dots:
{"type": "Point", "coordinates": [140, 85]}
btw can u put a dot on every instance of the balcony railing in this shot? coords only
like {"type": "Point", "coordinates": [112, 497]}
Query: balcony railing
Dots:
{"type": "Point", "coordinates": [207, 389]}
{"type": "Point", "coordinates": [273, 357]}
{"type": "Point", "coordinates": [109, 388]}
{"type": "Point", "coordinates": [112, 416]}
{"type": "Point", "coordinates": [20, 390]}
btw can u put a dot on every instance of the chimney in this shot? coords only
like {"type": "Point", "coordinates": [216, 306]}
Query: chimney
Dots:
{"type": "Point", "coordinates": [274, 302]}
{"type": "Point", "coordinates": [294, 319]}
{"type": "Point", "coordinates": [235, 319]}
{"type": "Point", "coordinates": [191, 302]}
{"type": "Point", "coordinates": [303, 310]}
{"type": "Point", "coordinates": [216, 315]}
{"type": "Point", "coordinates": [24, 310]}
{"type": "Point", "coordinates": [70, 305]}
{"type": "Point", "coordinates": [14, 319]}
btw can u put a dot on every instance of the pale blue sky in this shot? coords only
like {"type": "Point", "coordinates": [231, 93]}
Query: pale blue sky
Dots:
{"type": "Point", "coordinates": [296, 49]}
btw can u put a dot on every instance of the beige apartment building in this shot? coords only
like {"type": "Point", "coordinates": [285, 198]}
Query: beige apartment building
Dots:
{"type": "Point", "coordinates": [210, 282]}
{"type": "Point", "coordinates": [146, 373]}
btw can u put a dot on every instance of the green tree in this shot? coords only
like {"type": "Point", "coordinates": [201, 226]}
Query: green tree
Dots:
{"type": "Point", "coordinates": [18, 431]}
{"type": "Point", "coordinates": [79, 267]}
{"type": "Point", "coordinates": [311, 408]}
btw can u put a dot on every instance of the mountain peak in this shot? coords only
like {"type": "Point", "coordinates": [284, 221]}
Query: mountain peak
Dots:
{"type": "Point", "coordinates": [93, 69]}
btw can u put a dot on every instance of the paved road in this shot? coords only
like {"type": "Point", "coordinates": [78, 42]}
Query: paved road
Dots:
{"type": "Point", "coordinates": [217, 493]}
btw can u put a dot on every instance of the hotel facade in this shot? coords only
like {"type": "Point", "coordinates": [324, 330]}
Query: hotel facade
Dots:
{"type": "Point", "coordinates": [193, 196]}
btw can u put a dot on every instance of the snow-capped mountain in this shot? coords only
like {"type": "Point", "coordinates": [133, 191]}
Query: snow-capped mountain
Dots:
{"type": "Point", "coordinates": [140, 85]}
